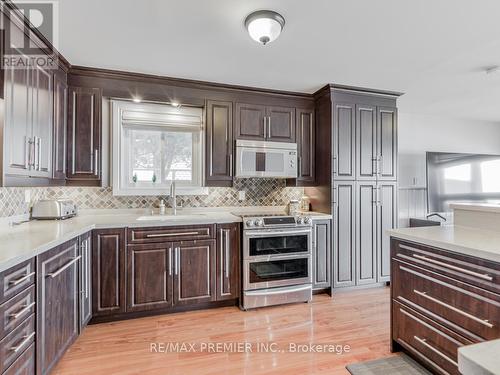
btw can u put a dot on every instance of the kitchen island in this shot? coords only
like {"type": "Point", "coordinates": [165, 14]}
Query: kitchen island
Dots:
{"type": "Point", "coordinates": [445, 287]}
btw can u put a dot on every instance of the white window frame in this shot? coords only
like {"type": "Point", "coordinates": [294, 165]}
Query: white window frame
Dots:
{"type": "Point", "coordinates": [148, 115]}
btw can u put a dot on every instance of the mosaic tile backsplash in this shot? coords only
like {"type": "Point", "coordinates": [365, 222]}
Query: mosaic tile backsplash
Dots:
{"type": "Point", "coordinates": [259, 192]}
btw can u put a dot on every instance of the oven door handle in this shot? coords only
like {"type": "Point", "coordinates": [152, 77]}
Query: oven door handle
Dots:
{"type": "Point", "coordinates": [276, 257]}
{"type": "Point", "coordinates": [276, 233]}
{"type": "Point", "coordinates": [280, 290]}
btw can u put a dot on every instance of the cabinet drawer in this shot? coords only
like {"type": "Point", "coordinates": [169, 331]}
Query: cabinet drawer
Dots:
{"type": "Point", "coordinates": [474, 271]}
{"type": "Point", "coordinates": [17, 278]}
{"type": "Point", "coordinates": [25, 364]}
{"type": "Point", "coordinates": [14, 344]}
{"type": "Point", "coordinates": [469, 310]}
{"type": "Point", "coordinates": [426, 340]}
{"type": "Point", "coordinates": [15, 310]}
{"type": "Point", "coordinates": [167, 234]}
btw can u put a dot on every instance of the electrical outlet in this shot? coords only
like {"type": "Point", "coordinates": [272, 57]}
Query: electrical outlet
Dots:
{"type": "Point", "coordinates": [241, 195]}
{"type": "Point", "coordinates": [27, 196]}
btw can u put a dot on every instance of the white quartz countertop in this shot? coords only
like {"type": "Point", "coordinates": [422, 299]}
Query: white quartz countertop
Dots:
{"type": "Point", "coordinates": [480, 359]}
{"type": "Point", "coordinates": [21, 242]}
{"type": "Point", "coordinates": [482, 207]}
{"type": "Point", "coordinates": [475, 242]}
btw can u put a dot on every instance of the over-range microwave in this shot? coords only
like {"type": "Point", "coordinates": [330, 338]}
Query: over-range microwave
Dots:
{"type": "Point", "coordinates": [266, 159]}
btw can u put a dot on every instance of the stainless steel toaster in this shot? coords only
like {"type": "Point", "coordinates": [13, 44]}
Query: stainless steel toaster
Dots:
{"type": "Point", "coordinates": [53, 209]}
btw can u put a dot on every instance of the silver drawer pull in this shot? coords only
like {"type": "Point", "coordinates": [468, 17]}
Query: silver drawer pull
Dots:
{"type": "Point", "coordinates": [439, 353]}
{"type": "Point", "coordinates": [453, 308]}
{"type": "Point", "coordinates": [67, 265]}
{"type": "Point", "coordinates": [23, 343]}
{"type": "Point", "coordinates": [22, 311]}
{"type": "Point", "coordinates": [455, 268]}
{"type": "Point", "coordinates": [171, 234]}
{"type": "Point", "coordinates": [21, 279]}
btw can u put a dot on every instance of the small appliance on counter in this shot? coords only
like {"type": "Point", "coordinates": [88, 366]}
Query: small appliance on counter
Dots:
{"type": "Point", "coordinates": [51, 209]}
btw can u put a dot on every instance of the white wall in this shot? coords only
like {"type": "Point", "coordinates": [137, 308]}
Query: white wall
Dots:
{"type": "Point", "coordinates": [421, 133]}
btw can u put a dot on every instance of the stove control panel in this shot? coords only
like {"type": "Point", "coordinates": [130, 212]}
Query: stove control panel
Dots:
{"type": "Point", "coordinates": [277, 222]}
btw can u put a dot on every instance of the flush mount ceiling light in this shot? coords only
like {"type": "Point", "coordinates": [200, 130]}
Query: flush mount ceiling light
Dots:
{"type": "Point", "coordinates": [264, 26]}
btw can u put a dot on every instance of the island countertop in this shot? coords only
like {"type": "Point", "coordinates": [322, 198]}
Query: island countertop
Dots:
{"type": "Point", "coordinates": [480, 243]}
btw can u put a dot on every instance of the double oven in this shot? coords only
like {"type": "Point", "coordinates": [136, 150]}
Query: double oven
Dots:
{"type": "Point", "coordinates": [277, 253]}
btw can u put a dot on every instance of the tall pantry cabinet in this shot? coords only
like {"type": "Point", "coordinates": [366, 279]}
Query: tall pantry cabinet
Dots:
{"type": "Point", "coordinates": [357, 181]}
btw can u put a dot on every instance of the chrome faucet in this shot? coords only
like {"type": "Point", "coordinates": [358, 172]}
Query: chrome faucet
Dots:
{"type": "Point", "coordinates": [173, 197]}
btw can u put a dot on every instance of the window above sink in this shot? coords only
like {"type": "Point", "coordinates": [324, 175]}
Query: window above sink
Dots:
{"type": "Point", "coordinates": [155, 144]}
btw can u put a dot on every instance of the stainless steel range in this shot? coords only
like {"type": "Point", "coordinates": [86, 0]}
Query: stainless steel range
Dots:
{"type": "Point", "coordinates": [276, 260]}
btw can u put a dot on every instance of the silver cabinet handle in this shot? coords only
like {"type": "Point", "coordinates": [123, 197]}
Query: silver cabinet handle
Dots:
{"type": "Point", "coordinates": [176, 261]}
{"type": "Point", "coordinates": [39, 142]}
{"type": "Point", "coordinates": [21, 279]}
{"type": "Point", "coordinates": [96, 162]}
{"type": "Point", "coordinates": [269, 127]}
{"type": "Point", "coordinates": [171, 234]}
{"type": "Point", "coordinates": [335, 165]}
{"type": "Point", "coordinates": [87, 268]}
{"type": "Point", "coordinates": [231, 164]}
{"type": "Point", "coordinates": [67, 265]}
{"type": "Point", "coordinates": [265, 120]}
{"type": "Point", "coordinates": [439, 353]}
{"type": "Point", "coordinates": [446, 265]}
{"type": "Point", "coordinates": [23, 343]}
{"type": "Point", "coordinates": [226, 249]}
{"type": "Point", "coordinates": [453, 308]}
{"type": "Point", "coordinates": [299, 162]}
{"type": "Point", "coordinates": [27, 153]}
{"type": "Point", "coordinates": [380, 165]}
{"type": "Point", "coordinates": [334, 198]}
{"type": "Point", "coordinates": [169, 261]}
{"type": "Point", "coordinates": [22, 311]}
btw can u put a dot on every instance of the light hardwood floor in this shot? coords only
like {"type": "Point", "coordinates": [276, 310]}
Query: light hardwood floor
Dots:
{"type": "Point", "coordinates": [359, 319]}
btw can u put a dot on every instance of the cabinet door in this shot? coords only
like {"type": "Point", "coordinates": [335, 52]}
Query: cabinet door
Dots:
{"type": "Point", "coordinates": [195, 272]}
{"type": "Point", "coordinates": [85, 279]}
{"type": "Point", "coordinates": [306, 147]}
{"type": "Point", "coordinates": [149, 276]}
{"type": "Point", "coordinates": [108, 271]}
{"type": "Point", "coordinates": [366, 233]}
{"type": "Point", "coordinates": [60, 117]}
{"type": "Point", "coordinates": [18, 152]}
{"type": "Point", "coordinates": [219, 143]}
{"type": "Point", "coordinates": [322, 249]}
{"type": "Point", "coordinates": [57, 307]}
{"type": "Point", "coordinates": [250, 122]}
{"type": "Point", "coordinates": [387, 218]}
{"type": "Point", "coordinates": [228, 261]}
{"type": "Point", "coordinates": [366, 137]}
{"type": "Point", "coordinates": [387, 140]}
{"type": "Point", "coordinates": [344, 141]}
{"type": "Point", "coordinates": [84, 135]}
{"type": "Point", "coordinates": [42, 122]}
{"type": "Point", "coordinates": [280, 124]}
{"type": "Point", "coordinates": [344, 224]}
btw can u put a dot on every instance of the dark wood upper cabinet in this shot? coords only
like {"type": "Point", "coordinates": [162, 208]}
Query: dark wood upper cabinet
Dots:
{"type": "Point", "coordinates": [84, 136]}
{"type": "Point", "coordinates": [194, 272]}
{"type": "Point", "coordinates": [85, 279]}
{"type": "Point", "coordinates": [108, 272]}
{"type": "Point", "coordinates": [57, 306]}
{"type": "Point", "coordinates": [250, 122]}
{"type": "Point", "coordinates": [60, 120]}
{"type": "Point", "coordinates": [344, 141]}
{"type": "Point", "coordinates": [280, 124]}
{"type": "Point", "coordinates": [306, 147]}
{"type": "Point", "coordinates": [265, 123]}
{"type": "Point", "coordinates": [228, 261]}
{"type": "Point", "coordinates": [219, 148]}
{"type": "Point", "coordinates": [149, 276]}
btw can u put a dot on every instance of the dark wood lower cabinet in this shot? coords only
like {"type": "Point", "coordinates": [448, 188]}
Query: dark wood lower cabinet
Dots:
{"type": "Point", "coordinates": [228, 261]}
{"type": "Point", "coordinates": [194, 272]}
{"type": "Point", "coordinates": [25, 364]}
{"type": "Point", "coordinates": [108, 272]}
{"type": "Point", "coordinates": [149, 276]}
{"type": "Point", "coordinates": [440, 302]}
{"type": "Point", "coordinates": [57, 308]}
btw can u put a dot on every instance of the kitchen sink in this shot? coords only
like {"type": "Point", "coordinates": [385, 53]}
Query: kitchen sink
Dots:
{"type": "Point", "coordinates": [170, 217]}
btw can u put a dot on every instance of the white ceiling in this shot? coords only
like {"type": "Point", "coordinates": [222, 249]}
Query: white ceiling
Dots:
{"type": "Point", "coordinates": [433, 50]}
